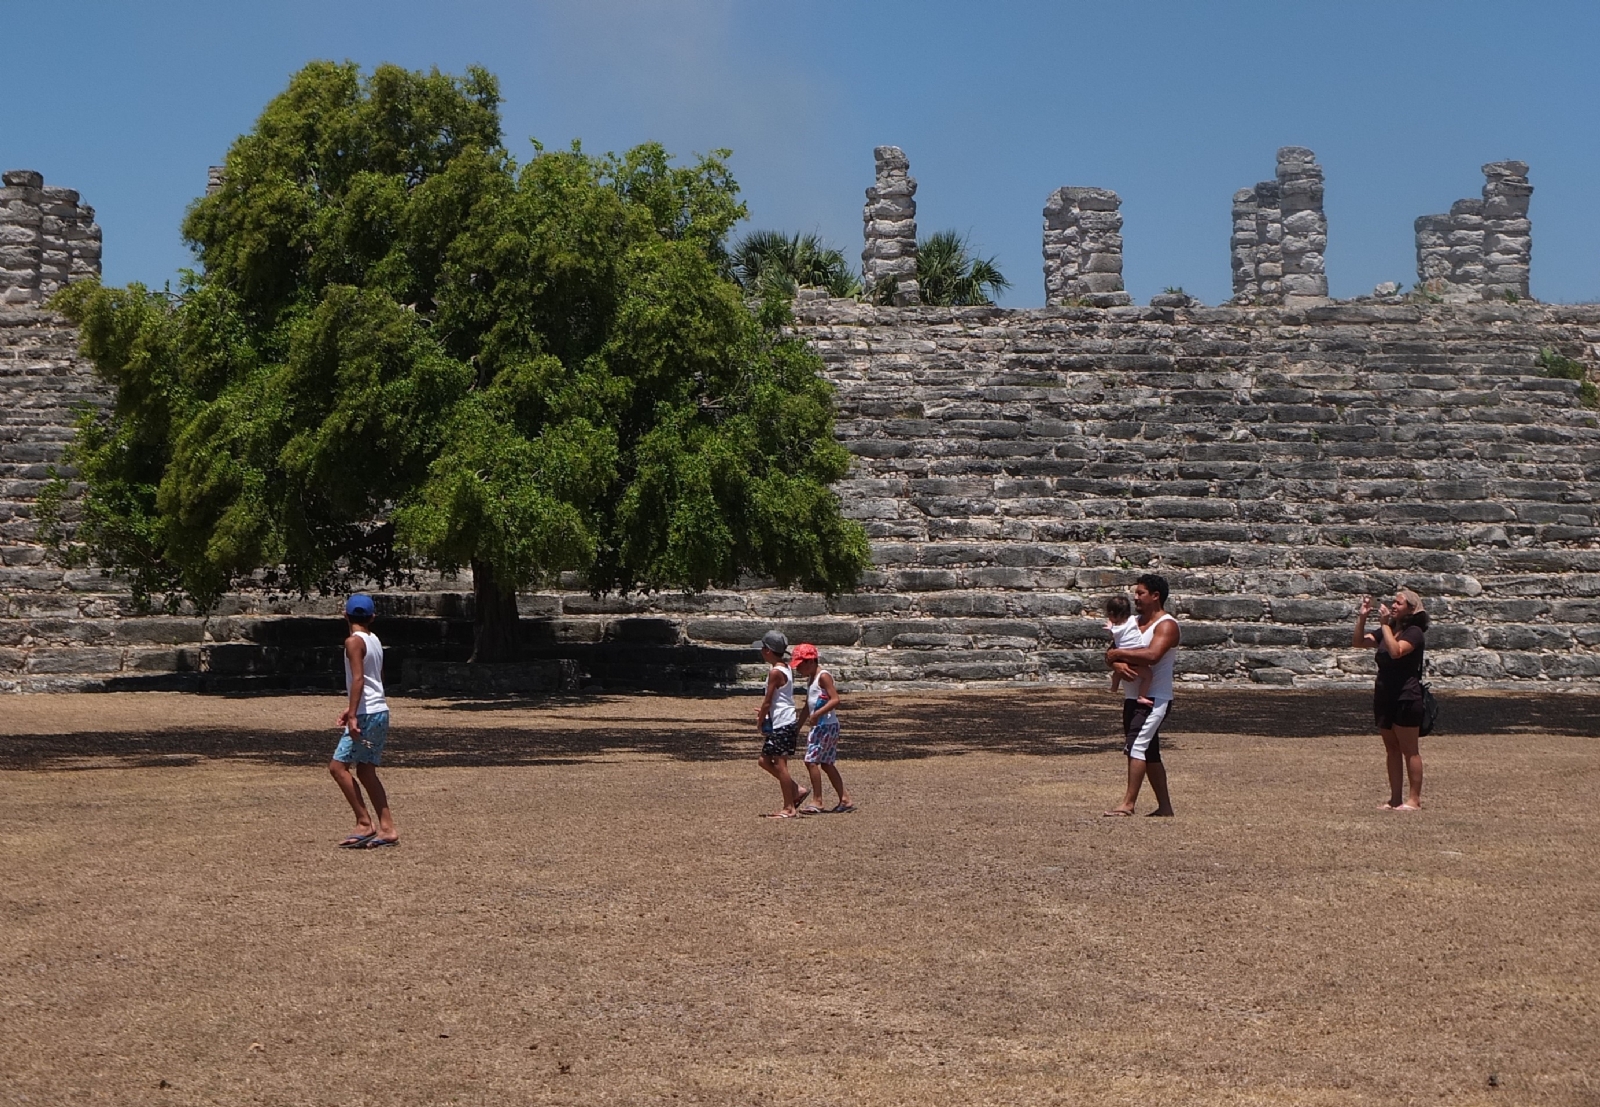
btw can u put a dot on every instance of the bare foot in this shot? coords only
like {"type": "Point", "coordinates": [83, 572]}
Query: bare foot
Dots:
{"type": "Point", "coordinates": [1389, 806]}
{"type": "Point", "coordinates": [1409, 807]}
{"type": "Point", "coordinates": [784, 814]}
{"type": "Point", "coordinates": [1117, 813]}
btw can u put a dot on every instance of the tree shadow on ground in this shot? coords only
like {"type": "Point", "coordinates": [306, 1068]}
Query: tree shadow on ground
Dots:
{"type": "Point", "coordinates": [1044, 722]}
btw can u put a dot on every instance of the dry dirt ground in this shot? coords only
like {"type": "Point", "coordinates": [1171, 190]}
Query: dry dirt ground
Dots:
{"type": "Point", "coordinates": [585, 908]}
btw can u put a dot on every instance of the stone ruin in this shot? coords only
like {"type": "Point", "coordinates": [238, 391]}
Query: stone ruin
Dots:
{"type": "Point", "coordinates": [1083, 248]}
{"type": "Point", "coordinates": [1280, 234]}
{"type": "Point", "coordinates": [1481, 249]}
{"type": "Point", "coordinates": [47, 238]}
{"type": "Point", "coordinates": [1011, 467]}
{"type": "Point", "coordinates": [890, 229]}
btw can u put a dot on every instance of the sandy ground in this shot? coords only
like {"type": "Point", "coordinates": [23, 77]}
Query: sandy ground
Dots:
{"type": "Point", "coordinates": [585, 908]}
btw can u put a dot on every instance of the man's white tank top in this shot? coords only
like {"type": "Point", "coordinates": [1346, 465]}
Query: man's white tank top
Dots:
{"type": "Point", "coordinates": [1161, 671]}
{"type": "Point", "coordinates": [782, 712]}
{"type": "Point", "coordinates": [372, 699]}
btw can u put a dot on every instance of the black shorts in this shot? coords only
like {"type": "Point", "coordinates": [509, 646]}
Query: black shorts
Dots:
{"type": "Point", "coordinates": [782, 741]}
{"type": "Point", "coordinates": [1136, 720]}
{"type": "Point", "coordinates": [1397, 704]}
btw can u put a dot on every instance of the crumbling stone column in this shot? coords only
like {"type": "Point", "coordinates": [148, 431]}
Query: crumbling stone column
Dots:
{"type": "Point", "coordinates": [1482, 249]}
{"type": "Point", "coordinates": [214, 178]}
{"type": "Point", "coordinates": [47, 238]}
{"type": "Point", "coordinates": [1280, 233]}
{"type": "Point", "coordinates": [1507, 231]}
{"type": "Point", "coordinates": [1083, 247]}
{"type": "Point", "coordinates": [890, 229]}
{"type": "Point", "coordinates": [1305, 227]}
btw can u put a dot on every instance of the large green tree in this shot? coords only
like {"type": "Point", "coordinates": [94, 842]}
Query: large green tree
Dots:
{"type": "Point", "coordinates": [403, 348]}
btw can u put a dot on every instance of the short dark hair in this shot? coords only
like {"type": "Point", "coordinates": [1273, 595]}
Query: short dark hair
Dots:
{"type": "Point", "coordinates": [1156, 584]}
{"type": "Point", "coordinates": [1118, 608]}
{"type": "Point", "coordinates": [360, 618]}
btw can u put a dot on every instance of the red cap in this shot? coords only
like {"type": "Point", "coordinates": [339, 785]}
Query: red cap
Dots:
{"type": "Point", "coordinates": [805, 651]}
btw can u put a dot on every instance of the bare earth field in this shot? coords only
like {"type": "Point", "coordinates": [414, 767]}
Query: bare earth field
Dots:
{"type": "Point", "coordinates": [585, 908]}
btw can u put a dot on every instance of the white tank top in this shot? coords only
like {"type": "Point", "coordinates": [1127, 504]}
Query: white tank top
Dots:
{"type": "Point", "coordinates": [372, 699]}
{"type": "Point", "coordinates": [815, 695]}
{"type": "Point", "coordinates": [1161, 671]}
{"type": "Point", "coordinates": [783, 713]}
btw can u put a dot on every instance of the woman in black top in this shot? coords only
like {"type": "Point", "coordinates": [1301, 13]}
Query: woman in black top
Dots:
{"type": "Point", "coordinates": [1397, 695]}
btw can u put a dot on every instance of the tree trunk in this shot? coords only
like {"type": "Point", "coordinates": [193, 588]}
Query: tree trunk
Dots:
{"type": "Point", "coordinates": [494, 630]}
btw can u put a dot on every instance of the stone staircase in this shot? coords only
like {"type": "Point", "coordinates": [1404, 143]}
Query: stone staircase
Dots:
{"type": "Point", "coordinates": [1013, 468]}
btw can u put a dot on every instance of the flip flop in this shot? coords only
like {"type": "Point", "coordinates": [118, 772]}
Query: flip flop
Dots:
{"type": "Point", "coordinates": [812, 809]}
{"type": "Point", "coordinates": [805, 794]}
{"type": "Point", "coordinates": [378, 843]}
{"type": "Point", "coordinates": [841, 809]}
{"type": "Point", "coordinates": [1116, 814]}
{"type": "Point", "coordinates": [356, 841]}
{"type": "Point", "coordinates": [781, 815]}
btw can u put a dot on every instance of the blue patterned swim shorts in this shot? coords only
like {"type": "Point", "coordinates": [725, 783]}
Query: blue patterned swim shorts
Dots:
{"type": "Point", "coordinates": [822, 746]}
{"type": "Point", "coordinates": [369, 747]}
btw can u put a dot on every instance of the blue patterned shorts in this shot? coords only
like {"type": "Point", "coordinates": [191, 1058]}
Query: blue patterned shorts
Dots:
{"type": "Point", "coordinates": [367, 749]}
{"type": "Point", "coordinates": [822, 746]}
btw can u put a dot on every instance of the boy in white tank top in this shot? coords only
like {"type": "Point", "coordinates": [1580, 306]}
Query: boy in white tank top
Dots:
{"type": "Point", "coordinates": [779, 723]}
{"type": "Point", "coordinates": [366, 723]}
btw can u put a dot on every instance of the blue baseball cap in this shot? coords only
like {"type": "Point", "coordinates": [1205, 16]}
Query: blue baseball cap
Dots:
{"type": "Point", "coordinates": [359, 604]}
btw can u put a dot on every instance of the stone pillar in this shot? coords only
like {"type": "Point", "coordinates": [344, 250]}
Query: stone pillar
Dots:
{"type": "Point", "coordinates": [1280, 234]}
{"type": "Point", "coordinates": [889, 258]}
{"type": "Point", "coordinates": [1305, 227]}
{"type": "Point", "coordinates": [214, 177]}
{"type": "Point", "coordinates": [1482, 249]}
{"type": "Point", "coordinates": [47, 238]}
{"type": "Point", "coordinates": [1083, 247]}
{"type": "Point", "coordinates": [1433, 250]}
{"type": "Point", "coordinates": [1507, 231]}
{"type": "Point", "coordinates": [1257, 244]}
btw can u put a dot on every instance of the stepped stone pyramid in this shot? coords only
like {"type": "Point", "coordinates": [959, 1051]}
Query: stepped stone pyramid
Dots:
{"type": "Point", "coordinates": [1012, 468]}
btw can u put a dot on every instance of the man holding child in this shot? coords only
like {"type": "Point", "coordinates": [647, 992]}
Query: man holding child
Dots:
{"type": "Point", "coordinates": [1142, 716]}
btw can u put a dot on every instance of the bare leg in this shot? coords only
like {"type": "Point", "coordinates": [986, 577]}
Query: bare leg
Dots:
{"type": "Point", "coordinates": [838, 784]}
{"type": "Point", "coordinates": [1395, 763]}
{"type": "Point", "coordinates": [1146, 677]}
{"type": "Point", "coordinates": [368, 775]}
{"type": "Point", "coordinates": [352, 793]}
{"type": "Point", "coordinates": [779, 768]}
{"type": "Point", "coordinates": [1408, 744]}
{"type": "Point", "coordinates": [1157, 772]}
{"type": "Point", "coordinates": [1136, 772]}
{"type": "Point", "coordinates": [815, 773]}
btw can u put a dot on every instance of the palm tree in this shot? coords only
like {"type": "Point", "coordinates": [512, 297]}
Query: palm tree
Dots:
{"type": "Point", "coordinates": [771, 262]}
{"type": "Point", "coordinates": [950, 276]}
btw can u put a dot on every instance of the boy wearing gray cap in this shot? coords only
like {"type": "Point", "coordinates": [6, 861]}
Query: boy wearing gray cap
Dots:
{"type": "Point", "coordinates": [778, 721]}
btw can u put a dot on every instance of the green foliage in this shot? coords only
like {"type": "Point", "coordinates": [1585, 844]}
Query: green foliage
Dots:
{"type": "Point", "coordinates": [768, 263]}
{"type": "Point", "coordinates": [403, 348]}
{"type": "Point", "coordinates": [1565, 368]}
{"type": "Point", "coordinates": [950, 275]}
{"type": "Point", "coordinates": [1559, 366]}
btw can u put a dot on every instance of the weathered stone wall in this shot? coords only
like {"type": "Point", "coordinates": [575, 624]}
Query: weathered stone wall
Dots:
{"type": "Point", "coordinates": [1482, 249]}
{"type": "Point", "coordinates": [1012, 469]}
{"type": "Point", "coordinates": [1015, 467]}
{"type": "Point", "coordinates": [47, 238]}
{"type": "Point", "coordinates": [1083, 248]}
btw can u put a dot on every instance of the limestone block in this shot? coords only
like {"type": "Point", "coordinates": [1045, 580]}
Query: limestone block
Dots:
{"type": "Point", "coordinates": [22, 178]}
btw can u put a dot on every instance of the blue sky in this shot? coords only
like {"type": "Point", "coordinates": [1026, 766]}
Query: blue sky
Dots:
{"type": "Point", "coordinates": [1174, 105]}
